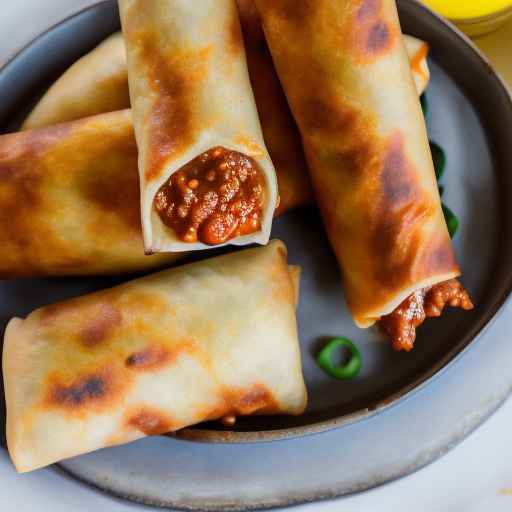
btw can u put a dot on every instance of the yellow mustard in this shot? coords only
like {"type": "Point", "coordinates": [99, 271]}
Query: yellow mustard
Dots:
{"type": "Point", "coordinates": [475, 17]}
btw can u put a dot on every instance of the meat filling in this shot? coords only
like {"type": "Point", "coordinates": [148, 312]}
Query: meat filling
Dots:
{"type": "Point", "coordinates": [217, 196]}
{"type": "Point", "coordinates": [401, 324]}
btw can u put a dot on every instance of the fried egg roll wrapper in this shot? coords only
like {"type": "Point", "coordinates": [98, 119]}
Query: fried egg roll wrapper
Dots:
{"type": "Point", "coordinates": [194, 343]}
{"type": "Point", "coordinates": [190, 94]}
{"type": "Point", "coordinates": [98, 82]}
{"type": "Point", "coordinates": [69, 200]}
{"type": "Point", "coordinates": [349, 85]}
{"type": "Point", "coordinates": [94, 84]}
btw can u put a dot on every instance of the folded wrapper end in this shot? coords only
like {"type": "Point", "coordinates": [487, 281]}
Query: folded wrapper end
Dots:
{"type": "Point", "coordinates": [161, 238]}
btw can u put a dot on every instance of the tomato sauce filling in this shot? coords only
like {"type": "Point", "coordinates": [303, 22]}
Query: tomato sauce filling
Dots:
{"type": "Point", "coordinates": [217, 196]}
{"type": "Point", "coordinates": [401, 324]}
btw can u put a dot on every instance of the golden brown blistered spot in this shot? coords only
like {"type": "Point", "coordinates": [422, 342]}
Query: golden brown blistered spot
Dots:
{"type": "Point", "coordinates": [242, 402]}
{"type": "Point", "coordinates": [373, 35]}
{"type": "Point", "coordinates": [95, 391]}
{"type": "Point", "coordinates": [116, 188]}
{"type": "Point", "coordinates": [89, 316]}
{"type": "Point", "coordinates": [23, 181]}
{"type": "Point", "coordinates": [100, 324]}
{"type": "Point", "coordinates": [153, 304]}
{"type": "Point", "coordinates": [296, 12]}
{"type": "Point", "coordinates": [442, 258]}
{"type": "Point", "coordinates": [155, 357]}
{"type": "Point", "coordinates": [379, 37]}
{"type": "Point", "coordinates": [320, 116]}
{"type": "Point", "coordinates": [22, 194]}
{"type": "Point", "coordinates": [150, 421]}
{"type": "Point", "coordinates": [149, 359]}
{"type": "Point", "coordinates": [54, 312]}
{"type": "Point", "coordinates": [369, 9]}
{"type": "Point", "coordinates": [397, 176]}
{"type": "Point", "coordinates": [357, 151]}
{"type": "Point", "coordinates": [174, 79]}
{"type": "Point", "coordinates": [396, 233]}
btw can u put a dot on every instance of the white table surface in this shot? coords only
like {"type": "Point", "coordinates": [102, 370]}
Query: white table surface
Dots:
{"type": "Point", "coordinates": [476, 476]}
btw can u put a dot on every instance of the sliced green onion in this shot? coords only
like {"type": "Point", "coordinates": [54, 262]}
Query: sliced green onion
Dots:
{"type": "Point", "coordinates": [451, 221]}
{"type": "Point", "coordinates": [439, 158]}
{"type": "Point", "coordinates": [350, 369]}
{"type": "Point", "coordinates": [441, 190]}
{"type": "Point", "coordinates": [424, 105]}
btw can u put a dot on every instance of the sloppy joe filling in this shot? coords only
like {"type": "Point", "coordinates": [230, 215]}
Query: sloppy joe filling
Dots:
{"type": "Point", "coordinates": [401, 324]}
{"type": "Point", "coordinates": [215, 197]}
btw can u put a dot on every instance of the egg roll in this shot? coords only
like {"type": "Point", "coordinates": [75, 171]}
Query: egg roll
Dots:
{"type": "Point", "coordinates": [70, 202]}
{"type": "Point", "coordinates": [349, 85]}
{"type": "Point", "coordinates": [94, 84]}
{"type": "Point", "coordinates": [199, 342]}
{"type": "Point", "coordinates": [206, 177]}
{"type": "Point", "coordinates": [98, 81]}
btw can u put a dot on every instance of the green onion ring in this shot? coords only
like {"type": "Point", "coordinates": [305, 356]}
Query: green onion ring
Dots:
{"type": "Point", "coordinates": [350, 369]}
